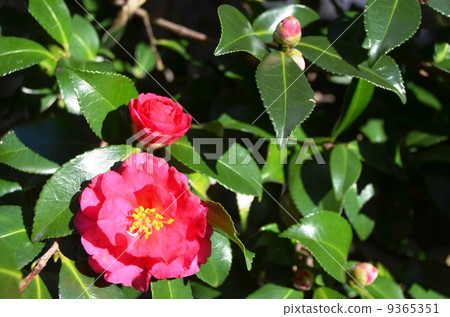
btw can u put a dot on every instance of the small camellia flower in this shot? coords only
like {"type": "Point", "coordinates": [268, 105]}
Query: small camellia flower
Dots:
{"type": "Point", "coordinates": [157, 121]}
{"type": "Point", "coordinates": [141, 220]}
{"type": "Point", "coordinates": [297, 57]}
{"type": "Point", "coordinates": [288, 32]}
{"type": "Point", "coordinates": [364, 273]}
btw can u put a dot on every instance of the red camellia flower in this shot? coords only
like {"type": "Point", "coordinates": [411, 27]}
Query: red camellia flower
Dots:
{"type": "Point", "coordinates": [141, 221]}
{"type": "Point", "coordinates": [157, 120]}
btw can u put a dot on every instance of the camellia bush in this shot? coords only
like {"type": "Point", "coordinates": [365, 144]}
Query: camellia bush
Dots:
{"type": "Point", "coordinates": [224, 149]}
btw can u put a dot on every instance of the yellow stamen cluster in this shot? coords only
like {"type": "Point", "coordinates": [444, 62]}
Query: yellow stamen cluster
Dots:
{"type": "Point", "coordinates": [145, 220]}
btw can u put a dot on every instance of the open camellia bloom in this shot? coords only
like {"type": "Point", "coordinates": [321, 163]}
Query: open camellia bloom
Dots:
{"type": "Point", "coordinates": [157, 121]}
{"type": "Point", "coordinates": [141, 221]}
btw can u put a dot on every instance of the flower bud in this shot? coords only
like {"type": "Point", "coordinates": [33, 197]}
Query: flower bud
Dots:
{"type": "Point", "coordinates": [288, 32]}
{"type": "Point", "coordinates": [297, 57]}
{"type": "Point", "coordinates": [364, 273]}
{"type": "Point", "coordinates": [303, 280]}
{"type": "Point", "coordinates": [423, 1]}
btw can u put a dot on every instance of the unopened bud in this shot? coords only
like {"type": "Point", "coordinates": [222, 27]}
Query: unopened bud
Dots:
{"type": "Point", "coordinates": [364, 273]}
{"type": "Point", "coordinates": [423, 1]}
{"type": "Point", "coordinates": [297, 57]}
{"type": "Point", "coordinates": [303, 280]}
{"type": "Point", "coordinates": [288, 32]}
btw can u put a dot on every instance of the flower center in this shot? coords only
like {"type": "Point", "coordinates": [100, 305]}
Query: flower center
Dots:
{"type": "Point", "coordinates": [145, 220]}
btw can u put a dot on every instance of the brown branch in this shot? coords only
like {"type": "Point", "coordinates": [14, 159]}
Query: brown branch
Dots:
{"type": "Point", "coordinates": [40, 264]}
{"type": "Point", "coordinates": [181, 30]}
{"type": "Point", "coordinates": [151, 36]}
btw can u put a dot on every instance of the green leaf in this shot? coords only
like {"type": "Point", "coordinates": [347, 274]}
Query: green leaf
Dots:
{"type": "Point", "coordinates": [273, 170]}
{"type": "Point", "coordinates": [423, 139]}
{"type": "Point", "coordinates": [13, 232]}
{"type": "Point", "coordinates": [100, 93]}
{"type": "Point", "coordinates": [53, 208]}
{"type": "Point", "coordinates": [84, 42]}
{"type": "Point", "coordinates": [441, 6]}
{"type": "Point", "coordinates": [327, 293]}
{"type": "Point", "coordinates": [345, 169]}
{"type": "Point", "coordinates": [381, 288]}
{"type": "Point", "coordinates": [145, 60]}
{"type": "Point", "coordinates": [357, 98]}
{"type": "Point", "coordinates": [36, 290]}
{"type": "Point", "coordinates": [374, 130]}
{"type": "Point", "coordinates": [424, 96]}
{"type": "Point", "coordinates": [310, 186]}
{"type": "Point", "coordinates": [68, 92]}
{"type": "Point", "coordinates": [232, 124]}
{"type": "Point", "coordinates": [40, 147]}
{"type": "Point", "coordinates": [175, 46]}
{"type": "Point", "coordinates": [272, 291]}
{"type": "Point", "coordinates": [389, 23]}
{"type": "Point", "coordinates": [216, 269]}
{"type": "Point", "coordinates": [200, 290]}
{"type": "Point", "coordinates": [362, 224]}
{"type": "Point", "coordinates": [238, 34]}
{"type": "Point", "coordinates": [54, 17]}
{"type": "Point", "coordinates": [418, 292]}
{"type": "Point", "coordinates": [231, 173]}
{"type": "Point", "coordinates": [266, 23]}
{"type": "Point", "coordinates": [74, 285]}
{"type": "Point", "coordinates": [7, 187]}
{"type": "Point", "coordinates": [171, 289]}
{"type": "Point", "coordinates": [18, 53]}
{"type": "Point", "coordinates": [328, 236]}
{"type": "Point", "coordinates": [350, 60]}
{"type": "Point", "coordinates": [222, 223]}
{"type": "Point", "coordinates": [285, 92]}
{"type": "Point", "coordinates": [10, 276]}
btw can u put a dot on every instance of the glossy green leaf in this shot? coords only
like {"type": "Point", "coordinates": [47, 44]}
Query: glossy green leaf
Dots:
{"type": "Point", "coordinates": [238, 34]}
{"type": "Point", "coordinates": [232, 169]}
{"type": "Point", "coordinates": [266, 23]}
{"type": "Point", "coordinates": [273, 170]}
{"type": "Point", "coordinates": [328, 236]}
{"type": "Point", "coordinates": [7, 187]}
{"type": "Point", "coordinates": [74, 285]}
{"type": "Point", "coordinates": [232, 124]}
{"type": "Point", "coordinates": [343, 59]}
{"type": "Point", "coordinates": [84, 41]}
{"type": "Point", "coordinates": [36, 290]}
{"type": "Point", "coordinates": [96, 97]}
{"type": "Point", "coordinates": [272, 291]}
{"type": "Point", "coordinates": [53, 208]}
{"type": "Point", "coordinates": [145, 60]}
{"type": "Point", "coordinates": [327, 293]}
{"type": "Point", "coordinates": [441, 6]}
{"type": "Point", "coordinates": [424, 96]}
{"type": "Point", "coordinates": [222, 223]}
{"type": "Point", "coordinates": [171, 289]}
{"type": "Point", "coordinates": [40, 147]}
{"type": "Point", "coordinates": [381, 288]}
{"type": "Point", "coordinates": [202, 291]}
{"type": "Point", "coordinates": [216, 269]}
{"type": "Point", "coordinates": [285, 92]}
{"type": "Point", "coordinates": [18, 53]}
{"type": "Point", "coordinates": [389, 23]}
{"type": "Point", "coordinates": [418, 292]}
{"type": "Point", "coordinates": [345, 169]}
{"type": "Point", "coordinates": [54, 17]}
{"type": "Point", "coordinates": [10, 276]}
{"type": "Point", "coordinates": [357, 98]}
{"type": "Point", "coordinates": [362, 224]}
{"type": "Point", "coordinates": [14, 233]}
{"type": "Point", "coordinates": [68, 92]}
{"type": "Point", "coordinates": [310, 186]}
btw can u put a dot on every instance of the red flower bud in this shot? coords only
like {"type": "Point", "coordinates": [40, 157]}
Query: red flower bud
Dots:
{"type": "Point", "coordinates": [303, 280]}
{"type": "Point", "coordinates": [288, 32]}
{"type": "Point", "coordinates": [423, 1]}
{"type": "Point", "coordinates": [364, 273]}
{"type": "Point", "coordinates": [297, 57]}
